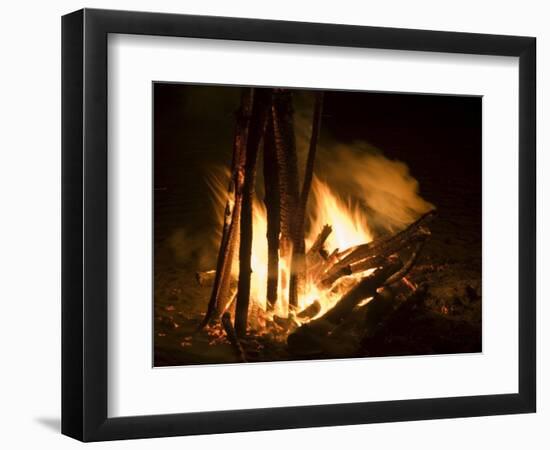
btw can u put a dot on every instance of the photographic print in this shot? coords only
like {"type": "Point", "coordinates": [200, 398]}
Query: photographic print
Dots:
{"type": "Point", "coordinates": [299, 224]}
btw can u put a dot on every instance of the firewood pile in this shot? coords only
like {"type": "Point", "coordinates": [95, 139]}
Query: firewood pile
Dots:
{"type": "Point", "coordinates": [386, 261]}
{"type": "Point", "coordinates": [369, 276]}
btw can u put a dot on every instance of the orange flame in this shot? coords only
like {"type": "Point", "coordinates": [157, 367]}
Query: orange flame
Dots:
{"type": "Point", "coordinates": [349, 227]}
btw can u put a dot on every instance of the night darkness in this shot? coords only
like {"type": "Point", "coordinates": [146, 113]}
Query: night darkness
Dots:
{"type": "Point", "coordinates": [438, 137]}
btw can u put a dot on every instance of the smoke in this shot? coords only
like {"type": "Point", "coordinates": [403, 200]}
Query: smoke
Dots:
{"type": "Point", "coordinates": [360, 173]}
{"type": "Point", "coordinates": [197, 249]}
{"type": "Point", "coordinates": [383, 186]}
{"type": "Point", "coordinates": [199, 245]}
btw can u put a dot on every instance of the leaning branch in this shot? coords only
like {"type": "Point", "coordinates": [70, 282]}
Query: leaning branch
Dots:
{"type": "Point", "coordinates": [221, 295]}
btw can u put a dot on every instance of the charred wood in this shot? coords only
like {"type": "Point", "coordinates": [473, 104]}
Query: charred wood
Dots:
{"type": "Point", "coordinates": [220, 295]}
{"type": "Point", "coordinates": [408, 265]}
{"type": "Point", "coordinates": [260, 109]}
{"type": "Point", "coordinates": [310, 311]}
{"type": "Point", "coordinates": [365, 256]}
{"type": "Point", "coordinates": [287, 160]}
{"type": "Point", "coordinates": [298, 262]}
{"type": "Point", "coordinates": [317, 249]}
{"type": "Point", "coordinates": [288, 324]}
{"type": "Point", "coordinates": [273, 210]}
{"type": "Point", "coordinates": [364, 289]}
{"type": "Point", "coordinates": [385, 244]}
{"type": "Point", "coordinates": [315, 334]}
{"type": "Point", "coordinates": [317, 256]}
{"type": "Point", "coordinates": [335, 274]}
{"type": "Point", "coordinates": [318, 271]}
{"type": "Point", "coordinates": [349, 269]}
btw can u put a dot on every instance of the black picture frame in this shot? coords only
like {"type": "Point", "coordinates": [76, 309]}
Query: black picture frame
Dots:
{"type": "Point", "coordinates": [84, 224]}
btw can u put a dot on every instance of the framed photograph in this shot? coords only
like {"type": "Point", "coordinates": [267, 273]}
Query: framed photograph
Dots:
{"type": "Point", "coordinates": [273, 224]}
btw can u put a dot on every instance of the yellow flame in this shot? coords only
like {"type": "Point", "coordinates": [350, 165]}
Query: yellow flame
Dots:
{"type": "Point", "coordinates": [349, 228]}
{"type": "Point", "coordinates": [349, 223]}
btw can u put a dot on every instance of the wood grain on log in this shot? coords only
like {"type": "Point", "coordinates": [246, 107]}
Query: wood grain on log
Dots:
{"type": "Point", "coordinates": [287, 161]}
{"type": "Point", "coordinates": [363, 257]}
{"type": "Point", "coordinates": [273, 213]}
{"type": "Point", "coordinates": [289, 194]}
{"type": "Point", "coordinates": [380, 246]}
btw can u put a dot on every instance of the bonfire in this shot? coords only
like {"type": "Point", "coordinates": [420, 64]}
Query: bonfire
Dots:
{"type": "Point", "coordinates": [292, 277]}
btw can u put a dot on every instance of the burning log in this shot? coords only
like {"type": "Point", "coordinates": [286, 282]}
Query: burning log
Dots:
{"type": "Point", "coordinates": [230, 235]}
{"type": "Point", "coordinates": [375, 261]}
{"type": "Point", "coordinates": [408, 265]}
{"type": "Point", "coordinates": [314, 333]}
{"type": "Point", "coordinates": [260, 108]}
{"type": "Point", "coordinates": [326, 263]}
{"type": "Point", "coordinates": [317, 256]}
{"type": "Point", "coordinates": [335, 274]}
{"type": "Point", "coordinates": [273, 210]}
{"type": "Point", "coordinates": [310, 311]}
{"type": "Point", "coordinates": [318, 247]}
{"type": "Point", "coordinates": [333, 258]}
{"type": "Point", "coordinates": [288, 324]}
{"type": "Point", "coordinates": [232, 337]}
{"type": "Point", "coordinates": [364, 289]}
{"type": "Point", "coordinates": [366, 256]}
{"type": "Point", "coordinates": [352, 266]}
{"type": "Point", "coordinates": [386, 244]}
{"type": "Point", "coordinates": [368, 263]}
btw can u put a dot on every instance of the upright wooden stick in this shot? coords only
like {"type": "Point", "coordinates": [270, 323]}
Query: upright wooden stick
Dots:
{"type": "Point", "coordinates": [298, 264]}
{"type": "Point", "coordinates": [287, 162]}
{"type": "Point", "coordinates": [308, 174]}
{"type": "Point", "coordinates": [260, 108]}
{"type": "Point", "coordinates": [220, 295]}
{"type": "Point", "coordinates": [272, 204]}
